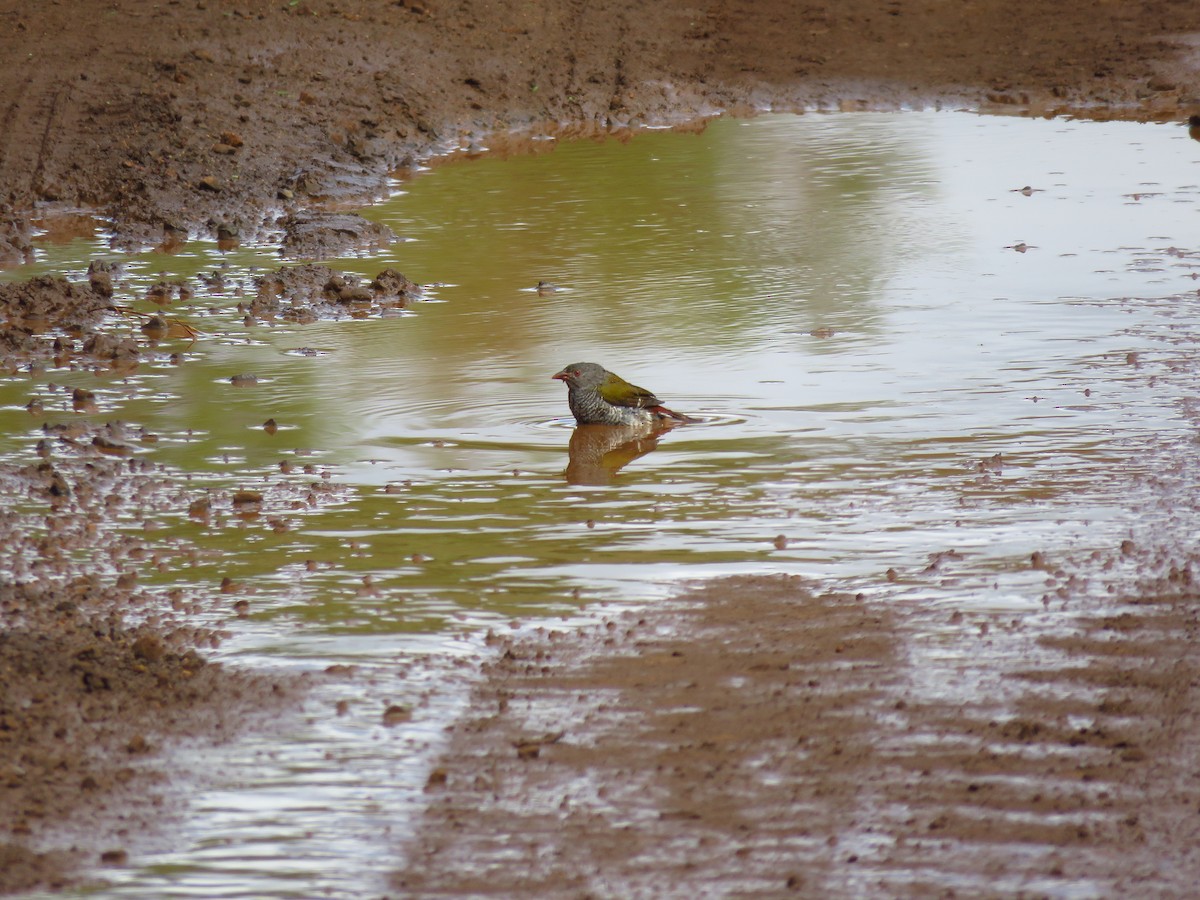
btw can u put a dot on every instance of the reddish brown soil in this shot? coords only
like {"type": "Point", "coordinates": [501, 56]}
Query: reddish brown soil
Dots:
{"type": "Point", "coordinates": [187, 115]}
{"type": "Point", "coordinates": [754, 739]}
{"type": "Point", "coordinates": [767, 759]}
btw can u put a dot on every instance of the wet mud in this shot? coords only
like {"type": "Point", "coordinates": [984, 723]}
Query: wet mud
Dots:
{"type": "Point", "coordinates": [98, 674]}
{"type": "Point", "coordinates": [754, 738]}
{"type": "Point", "coordinates": [747, 737]}
{"type": "Point", "coordinates": [188, 117]}
{"type": "Point", "coordinates": [308, 292]}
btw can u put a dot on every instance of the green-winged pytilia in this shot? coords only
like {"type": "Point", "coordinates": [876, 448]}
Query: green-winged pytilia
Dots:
{"type": "Point", "coordinates": [598, 397]}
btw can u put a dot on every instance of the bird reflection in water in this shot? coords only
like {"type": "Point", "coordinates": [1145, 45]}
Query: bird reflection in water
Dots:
{"type": "Point", "coordinates": [598, 452]}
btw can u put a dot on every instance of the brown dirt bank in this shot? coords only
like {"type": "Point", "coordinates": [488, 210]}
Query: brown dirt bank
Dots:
{"type": "Point", "coordinates": [192, 115]}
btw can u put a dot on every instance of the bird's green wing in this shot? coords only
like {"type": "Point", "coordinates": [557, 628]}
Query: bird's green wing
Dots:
{"type": "Point", "coordinates": [619, 392]}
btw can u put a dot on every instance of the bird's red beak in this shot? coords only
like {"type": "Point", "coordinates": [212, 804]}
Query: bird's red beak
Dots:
{"type": "Point", "coordinates": [561, 376]}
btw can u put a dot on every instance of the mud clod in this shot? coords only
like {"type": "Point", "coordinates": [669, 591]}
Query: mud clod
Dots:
{"type": "Point", "coordinates": [322, 235]}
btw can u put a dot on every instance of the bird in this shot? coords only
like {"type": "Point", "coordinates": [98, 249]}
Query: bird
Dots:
{"type": "Point", "coordinates": [600, 397]}
{"type": "Point", "coordinates": [1193, 124]}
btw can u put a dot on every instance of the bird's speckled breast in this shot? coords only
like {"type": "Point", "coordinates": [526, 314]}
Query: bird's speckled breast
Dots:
{"type": "Point", "coordinates": [589, 408]}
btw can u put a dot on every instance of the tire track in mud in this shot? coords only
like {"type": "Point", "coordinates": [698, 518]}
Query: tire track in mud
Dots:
{"type": "Point", "coordinates": [1032, 774]}
{"type": "Point", "coordinates": [37, 179]}
{"type": "Point", "coordinates": [26, 130]}
{"type": "Point", "coordinates": [752, 738]}
{"type": "Point", "coordinates": [648, 758]}
{"type": "Point", "coordinates": [7, 129]}
{"type": "Point", "coordinates": [40, 122]}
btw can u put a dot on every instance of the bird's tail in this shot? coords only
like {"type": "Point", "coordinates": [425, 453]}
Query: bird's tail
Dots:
{"type": "Point", "coordinates": [663, 413]}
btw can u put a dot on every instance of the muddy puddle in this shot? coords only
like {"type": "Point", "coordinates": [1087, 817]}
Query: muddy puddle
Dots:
{"type": "Point", "coordinates": [913, 340]}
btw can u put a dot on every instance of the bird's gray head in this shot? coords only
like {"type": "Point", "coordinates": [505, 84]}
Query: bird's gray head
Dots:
{"type": "Point", "coordinates": [582, 374]}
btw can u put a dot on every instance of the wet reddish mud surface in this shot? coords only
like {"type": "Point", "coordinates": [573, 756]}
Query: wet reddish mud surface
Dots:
{"type": "Point", "coordinates": [677, 750]}
{"type": "Point", "coordinates": [200, 115]}
{"type": "Point", "coordinates": [98, 675]}
{"type": "Point", "coordinates": [752, 738]}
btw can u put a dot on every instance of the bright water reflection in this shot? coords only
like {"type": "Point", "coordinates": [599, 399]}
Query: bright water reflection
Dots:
{"type": "Point", "coordinates": [864, 307]}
